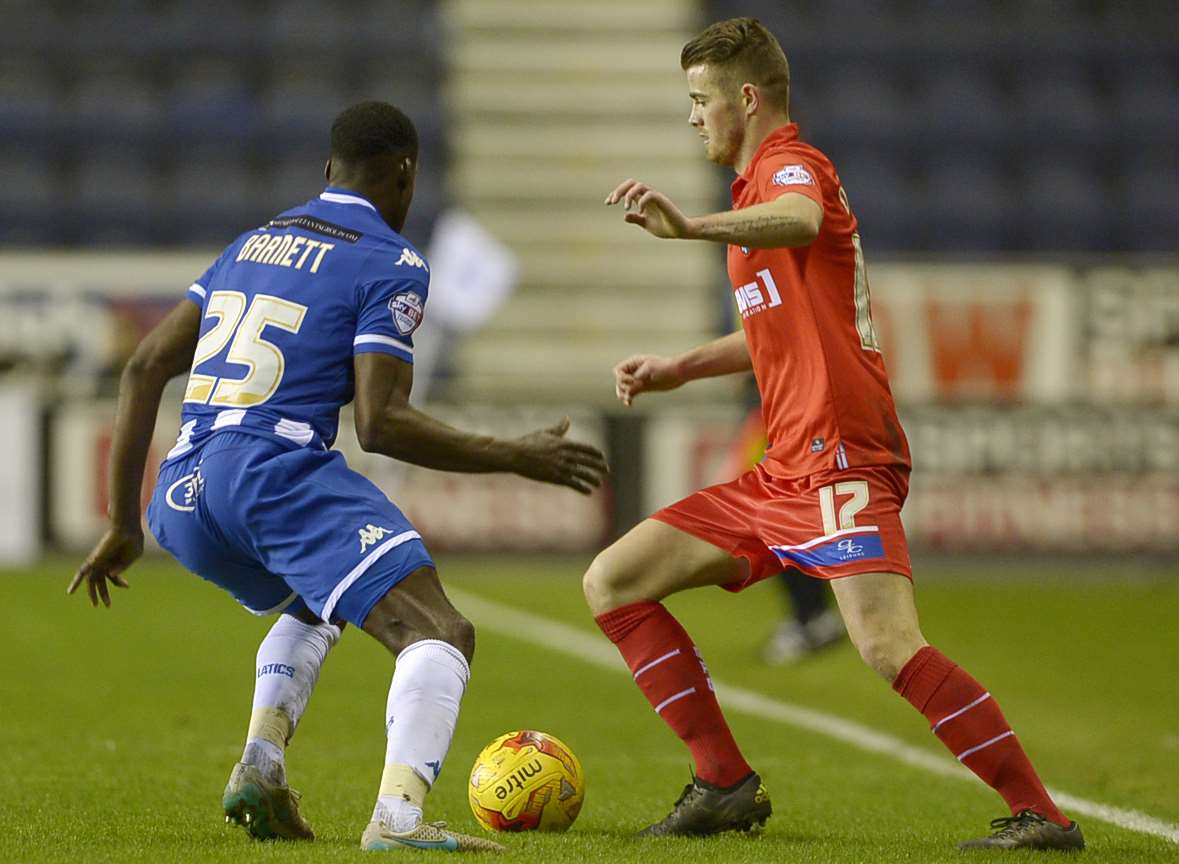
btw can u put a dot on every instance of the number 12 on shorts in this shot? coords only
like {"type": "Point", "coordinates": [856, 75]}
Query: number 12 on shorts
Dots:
{"type": "Point", "coordinates": [857, 490]}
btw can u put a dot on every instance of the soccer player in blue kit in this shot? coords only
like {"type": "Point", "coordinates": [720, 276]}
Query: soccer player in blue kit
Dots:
{"type": "Point", "coordinates": [292, 321]}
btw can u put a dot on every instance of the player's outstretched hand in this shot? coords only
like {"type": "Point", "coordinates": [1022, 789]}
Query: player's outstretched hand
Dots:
{"type": "Point", "coordinates": [650, 210]}
{"type": "Point", "coordinates": [641, 373]}
{"type": "Point", "coordinates": [548, 456]}
{"type": "Point", "coordinates": [115, 552]}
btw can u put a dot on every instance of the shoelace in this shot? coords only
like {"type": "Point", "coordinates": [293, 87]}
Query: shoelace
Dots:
{"type": "Point", "coordinates": [1009, 825]}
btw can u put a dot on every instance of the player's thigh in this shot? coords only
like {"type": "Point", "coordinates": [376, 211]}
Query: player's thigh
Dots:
{"type": "Point", "coordinates": [652, 561]}
{"type": "Point", "coordinates": [336, 538]}
{"type": "Point", "coordinates": [881, 618]}
{"type": "Point", "coordinates": [178, 518]}
{"type": "Point", "coordinates": [417, 608]}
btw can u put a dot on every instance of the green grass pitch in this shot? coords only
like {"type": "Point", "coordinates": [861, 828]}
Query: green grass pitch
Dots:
{"type": "Point", "coordinates": [118, 727]}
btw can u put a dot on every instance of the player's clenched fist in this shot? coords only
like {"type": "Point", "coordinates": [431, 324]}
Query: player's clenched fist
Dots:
{"type": "Point", "coordinates": [651, 210]}
{"type": "Point", "coordinates": [548, 456]}
{"type": "Point", "coordinates": [641, 373]}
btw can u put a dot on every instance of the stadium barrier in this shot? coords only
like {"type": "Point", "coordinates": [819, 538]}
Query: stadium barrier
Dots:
{"type": "Point", "coordinates": [1041, 401]}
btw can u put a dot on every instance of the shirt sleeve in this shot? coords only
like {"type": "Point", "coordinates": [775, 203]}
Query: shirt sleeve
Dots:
{"type": "Point", "coordinates": [788, 172]}
{"type": "Point", "coordinates": [200, 288]}
{"type": "Point", "coordinates": [390, 311]}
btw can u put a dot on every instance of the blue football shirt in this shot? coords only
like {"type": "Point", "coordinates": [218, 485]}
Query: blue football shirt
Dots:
{"type": "Point", "coordinates": [286, 306]}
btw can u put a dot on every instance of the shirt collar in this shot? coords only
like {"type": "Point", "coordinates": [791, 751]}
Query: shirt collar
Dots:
{"type": "Point", "coordinates": [781, 135]}
{"type": "Point", "coordinates": [335, 195]}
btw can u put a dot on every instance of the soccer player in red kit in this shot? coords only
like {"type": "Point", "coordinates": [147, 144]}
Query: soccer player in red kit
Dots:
{"type": "Point", "coordinates": [827, 497]}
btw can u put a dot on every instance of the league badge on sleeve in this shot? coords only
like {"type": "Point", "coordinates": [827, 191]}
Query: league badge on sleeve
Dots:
{"type": "Point", "coordinates": [407, 312]}
{"type": "Point", "coordinates": [793, 175]}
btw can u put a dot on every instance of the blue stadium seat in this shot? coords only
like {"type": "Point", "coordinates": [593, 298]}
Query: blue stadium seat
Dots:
{"type": "Point", "coordinates": [212, 109]}
{"type": "Point", "coordinates": [1146, 108]}
{"type": "Point", "coordinates": [1150, 216]}
{"type": "Point", "coordinates": [880, 192]}
{"type": "Point", "coordinates": [968, 206]}
{"type": "Point", "coordinates": [117, 111]}
{"type": "Point", "coordinates": [1058, 110]}
{"type": "Point", "coordinates": [31, 209]}
{"type": "Point", "coordinates": [183, 32]}
{"type": "Point", "coordinates": [1066, 206]}
{"type": "Point", "coordinates": [29, 95]}
{"type": "Point", "coordinates": [214, 200]}
{"type": "Point", "coordinates": [962, 107]}
{"type": "Point", "coordinates": [863, 105]}
{"type": "Point", "coordinates": [294, 177]}
{"type": "Point", "coordinates": [115, 201]}
{"type": "Point", "coordinates": [297, 109]}
{"type": "Point", "coordinates": [300, 29]}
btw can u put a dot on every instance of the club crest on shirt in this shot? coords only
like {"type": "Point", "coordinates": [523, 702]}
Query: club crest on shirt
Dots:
{"type": "Point", "coordinates": [793, 175]}
{"type": "Point", "coordinates": [407, 312]}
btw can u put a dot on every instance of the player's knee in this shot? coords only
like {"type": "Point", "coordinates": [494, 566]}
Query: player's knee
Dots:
{"type": "Point", "coordinates": [604, 583]}
{"type": "Point", "coordinates": [882, 655]}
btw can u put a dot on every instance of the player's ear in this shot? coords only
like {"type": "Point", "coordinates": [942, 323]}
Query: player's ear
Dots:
{"type": "Point", "coordinates": [406, 172]}
{"type": "Point", "coordinates": [750, 98]}
{"type": "Point", "coordinates": [327, 169]}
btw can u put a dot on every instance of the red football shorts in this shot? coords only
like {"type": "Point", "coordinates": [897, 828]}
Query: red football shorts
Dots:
{"type": "Point", "coordinates": [831, 524]}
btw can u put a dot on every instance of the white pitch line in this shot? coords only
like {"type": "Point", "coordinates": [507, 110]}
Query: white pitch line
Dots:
{"type": "Point", "coordinates": [555, 636]}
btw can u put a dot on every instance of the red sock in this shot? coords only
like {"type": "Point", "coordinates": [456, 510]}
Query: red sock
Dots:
{"type": "Point", "coordinates": [968, 721]}
{"type": "Point", "coordinates": [668, 669]}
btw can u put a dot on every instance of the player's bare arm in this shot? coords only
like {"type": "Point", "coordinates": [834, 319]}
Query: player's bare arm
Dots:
{"type": "Point", "coordinates": [788, 221]}
{"type": "Point", "coordinates": [644, 373]}
{"type": "Point", "coordinates": [386, 423]}
{"type": "Point", "coordinates": [162, 355]}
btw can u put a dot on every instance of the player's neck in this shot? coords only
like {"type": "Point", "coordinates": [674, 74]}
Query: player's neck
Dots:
{"type": "Point", "coordinates": [760, 127]}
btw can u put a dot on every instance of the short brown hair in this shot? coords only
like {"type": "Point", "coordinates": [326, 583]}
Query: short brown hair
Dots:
{"type": "Point", "coordinates": [744, 49]}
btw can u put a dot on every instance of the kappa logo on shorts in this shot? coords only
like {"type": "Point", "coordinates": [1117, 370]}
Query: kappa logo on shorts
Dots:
{"type": "Point", "coordinates": [372, 534]}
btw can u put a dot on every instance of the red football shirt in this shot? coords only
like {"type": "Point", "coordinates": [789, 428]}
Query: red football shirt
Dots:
{"type": "Point", "coordinates": [824, 390]}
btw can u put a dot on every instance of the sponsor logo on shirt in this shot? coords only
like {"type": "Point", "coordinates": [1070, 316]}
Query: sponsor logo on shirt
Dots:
{"type": "Point", "coordinates": [406, 308]}
{"type": "Point", "coordinates": [817, 445]}
{"type": "Point", "coordinates": [412, 259]}
{"type": "Point", "coordinates": [182, 494]}
{"type": "Point", "coordinates": [793, 175]}
{"type": "Point", "coordinates": [371, 534]}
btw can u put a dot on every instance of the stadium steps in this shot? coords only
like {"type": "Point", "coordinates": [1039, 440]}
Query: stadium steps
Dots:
{"type": "Point", "coordinates": [553, 105]}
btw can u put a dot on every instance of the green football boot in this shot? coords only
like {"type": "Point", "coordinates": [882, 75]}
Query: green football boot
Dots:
{"type": "Point", "coordinates": [706, 809]}
{"type": "Point", "coordinates": [268, 811]}
{"type": "Point", "coordinates": [1029, 830]}
{"type": "Point", "coordinates": [428, 835]}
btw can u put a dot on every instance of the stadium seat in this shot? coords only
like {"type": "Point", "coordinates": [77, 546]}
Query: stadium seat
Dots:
{"type": "Point", "coordinates": [968, 206]}
{"type": "Point", "coordinates": [115, 201]}
{"type": "Point", "coordinates": [1146, 108]}
{"type": "Point", "coordinates": [863, 105]}
{"type": "Point", "coordinates": [962, 107]}
{"type": "Point", "coordinates": [214, 200]}
{"type": "Point", "coordinates": [1058, 111]}
{"type": "Point", "coordinates": [29, 94]}
{"type": "Point", "coordinates": [296, 110]}
{"type": "Point", "coordinates": [299, 29]}
{"type": "Point", "coordinates": [212, 109]}
{"type": "Point", "coordinates": [1066, 206]}
{"type": "Point", "coordinates": [1150, 217]}
{"type": "Point", "coordinates": [116, 111]}
{"type": "Point", "coordinates": [30, 202]}
{"type": "Point", "coordinates": [878, 189]}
